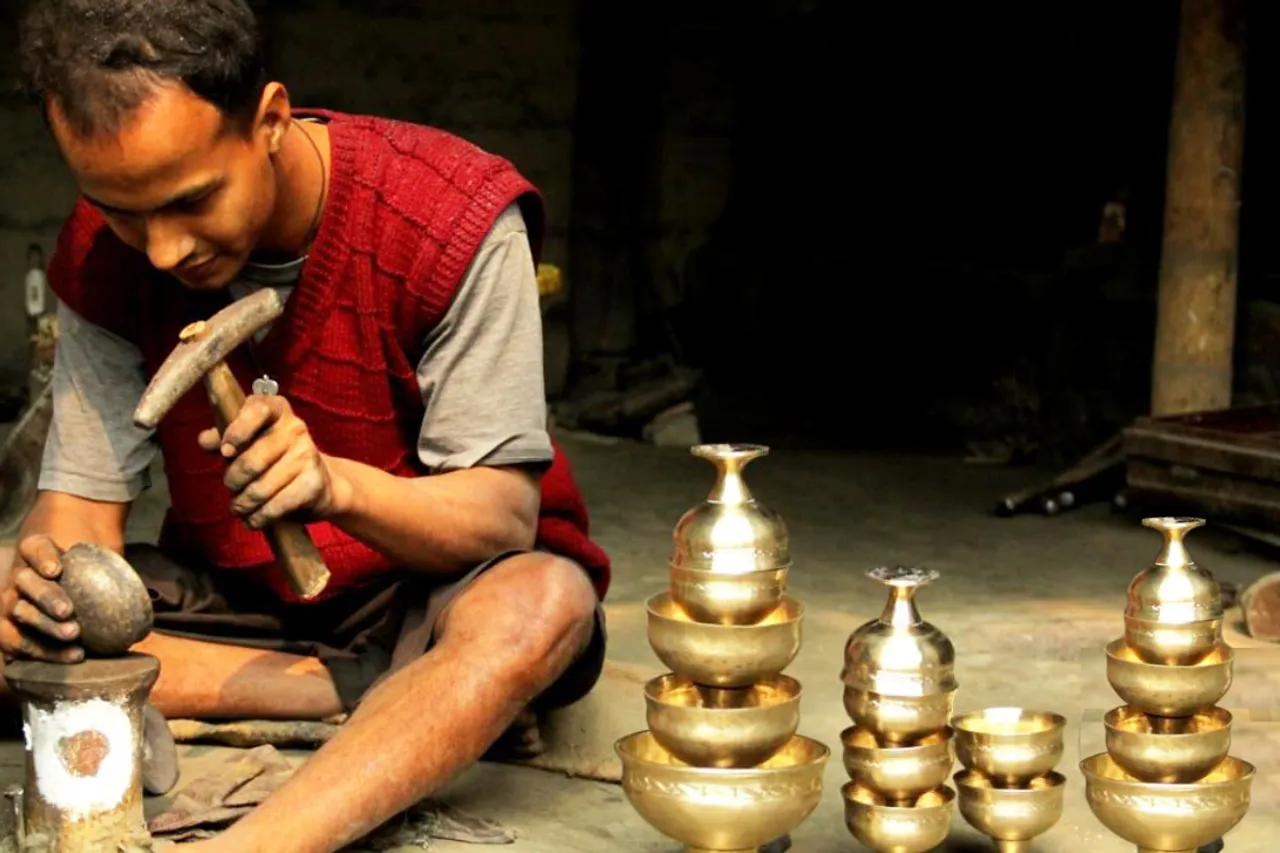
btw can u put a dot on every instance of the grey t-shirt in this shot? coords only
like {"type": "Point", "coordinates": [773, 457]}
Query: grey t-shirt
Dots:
{"type": "Point", "coordinates": [480, 376]}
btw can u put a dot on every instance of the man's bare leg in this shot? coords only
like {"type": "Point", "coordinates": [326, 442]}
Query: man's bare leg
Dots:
{"type": "Point", "coordinates": [210, 681]}
{"type": "Point", "coordinates": [501, 643]}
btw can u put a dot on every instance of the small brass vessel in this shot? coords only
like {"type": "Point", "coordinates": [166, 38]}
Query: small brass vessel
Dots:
{"type": "Point", "coordinates": [731, 553]}
{"type": "Point", "coordinates": [1009, 746]}
{"type": "Point", "coordinates": [1174, 590]}
{"type": "Point", "coordinates": [899, 720]}
{"type": "Point", "coordinates": [715, 810]}
{"type": "Point", "coordinates": [897, 773]}
{"type": "Point", "coordinates": [1011, 817]}
{"type": "Point", "coordinates": [1168, 818]}
{"type": "Point", "coordinates": [715, 655]}
{"type": "Point", "coordinates": [900, 654]}
{"type": "Point", "coordinates": [714, 727]}
{"type": "Point", "coordinates": [1166, 690]}
{"type": "Point", "coordinates": [885, 827]}
{"type": "Point", "coordinates": [1168, 750]}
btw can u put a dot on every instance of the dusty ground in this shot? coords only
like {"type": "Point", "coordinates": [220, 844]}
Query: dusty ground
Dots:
{"type": "Point", "coordinates": [1029, 603]}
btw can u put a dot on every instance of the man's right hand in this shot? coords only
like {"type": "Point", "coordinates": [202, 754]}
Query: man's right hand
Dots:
{"type": "Point", "coordinates": [37, 620]}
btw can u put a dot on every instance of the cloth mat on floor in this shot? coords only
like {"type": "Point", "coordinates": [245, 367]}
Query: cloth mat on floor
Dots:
{"type": "Point", "coordinates": [208, 805]}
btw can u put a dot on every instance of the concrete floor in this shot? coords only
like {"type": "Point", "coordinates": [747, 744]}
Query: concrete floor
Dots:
{"type": "Point", "coordinates": [1028, 602]}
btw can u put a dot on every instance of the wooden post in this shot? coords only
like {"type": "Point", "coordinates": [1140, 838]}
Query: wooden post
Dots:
{"type": "Point", "coordinates": [1196, 304]}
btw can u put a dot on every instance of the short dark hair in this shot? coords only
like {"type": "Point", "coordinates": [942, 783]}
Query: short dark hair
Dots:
{"type": "Point", "coordinates": [101, 59]}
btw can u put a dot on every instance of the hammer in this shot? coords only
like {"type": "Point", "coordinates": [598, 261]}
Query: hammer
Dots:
{"type": "Point", "coordinates": [200, 354]}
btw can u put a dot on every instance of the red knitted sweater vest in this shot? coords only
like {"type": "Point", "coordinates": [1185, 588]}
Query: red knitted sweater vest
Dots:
{"type": "Point", "coordinates": [408, 208]}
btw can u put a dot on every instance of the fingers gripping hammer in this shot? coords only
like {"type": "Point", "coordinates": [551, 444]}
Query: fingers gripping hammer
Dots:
{"type": "Point", "coordinates": [201, 354]}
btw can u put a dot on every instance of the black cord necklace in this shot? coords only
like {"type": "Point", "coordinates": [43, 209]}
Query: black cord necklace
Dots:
{"type": "Point", "coordinates": [324, 188]}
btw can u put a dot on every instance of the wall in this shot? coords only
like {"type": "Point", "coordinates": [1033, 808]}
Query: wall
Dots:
{"type": "Point", "coordinates": [502, 74]}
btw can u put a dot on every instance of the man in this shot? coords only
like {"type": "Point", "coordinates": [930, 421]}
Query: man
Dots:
{"type": "Point", "coordinates": [408, 428]}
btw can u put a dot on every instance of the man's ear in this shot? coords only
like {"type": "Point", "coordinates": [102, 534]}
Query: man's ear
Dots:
{"type": "Point", "coordinates": [275, 112]}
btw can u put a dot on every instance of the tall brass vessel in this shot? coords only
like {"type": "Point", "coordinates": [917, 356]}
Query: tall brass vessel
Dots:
{"type": "Point", "coordinates": [1166, 783]}
{"type": "Point", "coordinates": [899, 691]}
{"type": "Point", "coordinates": [721, 768]}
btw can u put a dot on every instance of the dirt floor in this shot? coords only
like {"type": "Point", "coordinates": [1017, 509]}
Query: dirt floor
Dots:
{"type": "Point", "coordinates": [1029, 603]}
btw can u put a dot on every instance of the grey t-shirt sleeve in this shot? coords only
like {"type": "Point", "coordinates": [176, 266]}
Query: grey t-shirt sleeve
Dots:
{"type": "Point", "coordinates": [93, 450]}
{"type": "Point", "coordinates": [481, 375]}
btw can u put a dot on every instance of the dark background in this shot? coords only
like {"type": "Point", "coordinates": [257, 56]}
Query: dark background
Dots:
{"type": "Point", "coordinates": [864, 225]}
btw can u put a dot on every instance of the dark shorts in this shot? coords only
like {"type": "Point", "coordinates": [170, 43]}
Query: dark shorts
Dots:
{"type": "Point", "coordinates": [361, 637]}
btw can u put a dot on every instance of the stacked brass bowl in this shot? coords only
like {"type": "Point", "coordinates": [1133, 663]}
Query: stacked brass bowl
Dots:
{"type": "Point", "coordinates": [899, 690]}
{"type": "Point", "coordinates": [1166, 782]}
{"type": "Point", "coordinates": [720, 767]}
{"type": "Point", "coordinates": [1009, 789]}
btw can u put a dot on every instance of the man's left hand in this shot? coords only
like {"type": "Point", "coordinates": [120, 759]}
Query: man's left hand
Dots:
{"type": "Point", "coordinates": [277, 468]}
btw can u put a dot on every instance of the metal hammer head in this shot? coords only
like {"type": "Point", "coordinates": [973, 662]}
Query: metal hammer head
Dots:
{"type": "Point", "coordinates": [201, 347]}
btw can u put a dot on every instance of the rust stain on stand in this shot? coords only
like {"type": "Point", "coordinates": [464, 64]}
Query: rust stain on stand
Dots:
{"type": "Point", "coordinates": [82, 754]}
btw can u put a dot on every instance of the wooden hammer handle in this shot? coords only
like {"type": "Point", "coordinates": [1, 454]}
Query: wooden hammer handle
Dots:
{"type": "Point", "coordinates": [290, 542]}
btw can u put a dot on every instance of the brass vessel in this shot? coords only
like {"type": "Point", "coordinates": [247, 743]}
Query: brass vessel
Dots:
{"type": "Point", "coordinates": [899, 691]}
{"type": "Point", "coordinates": [1164, 818]}
{"type": "Point", "coordinates": [714, 810]}
{"type": "Point", "coordinates": [898, 720]}
{"type": "Point", "coordinates": [1009, 789]}
{"type": "Point", "coordinates": [1167, 783]}
{"type": "Point", "coordinates": [1011, 817]}
{"type": "Point", "coordinates": [1169, 690]}
{"type": "Point", "coordinates": [900, 654]}
{"type": "Point", "coordinates": [718, 655]}
{"type": "Point", "coordinates": [885, 827]}
{"type": "Point", "coordinates": [1009, 746]}
{"type": "Point", "coordinates": [901, 773]}
{"type": "Point", "coordinates": [731, 553]}
{"type": "Point", "coordinates": [1171, 601]}
{"type": "Point", "coordinates": [720, 767]}
{"type": "Point", "coordinates": [713, 727]}
{"type": "Point", "coordinates": [1168, 750]}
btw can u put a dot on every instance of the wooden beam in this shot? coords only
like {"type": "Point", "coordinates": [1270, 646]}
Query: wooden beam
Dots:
{"type": "Point", "coordinates": [1196, 303]}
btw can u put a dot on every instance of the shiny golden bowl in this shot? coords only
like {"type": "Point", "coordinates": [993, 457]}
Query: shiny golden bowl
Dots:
{"type": "Point", "coordinates": [1169, 691]}
{"type": "Point", "coordinates": [714, 727]}
{"type": "Point", "coordinates": [1009, 745]}
{"type": "Point", "coordinates": [1011, 816]}
{"type": "Point", "coordinates": [716, 809]}
{"type": "Point", "coordinates": [897, 772]}
{"type": "Point", "coordinates": [1168, 750]}
{"type": "Point", "coordinates": [899, 720]}
{"type": "Point", "coordinates": [1174, 818]}
{"type": "Point", "coordinates": [1178, 644]}
{"type": "Point", "coordinates": [728, 599]}
{"type": "Point", "coordinates": [886, 828]}
{"type": "Point", "coordinates": [724, 655]}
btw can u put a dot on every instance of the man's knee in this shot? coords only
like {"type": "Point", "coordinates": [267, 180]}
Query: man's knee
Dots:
{"type": "Point", "coordinates": [537, 609]}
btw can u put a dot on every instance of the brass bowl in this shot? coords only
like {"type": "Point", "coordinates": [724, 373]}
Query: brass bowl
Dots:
{"type": "Point", "coordinates": [1169, 691]}
{"type": "Point", "coordinates": [1010, 746]}
{"type": "Point", "coordinates": [1167, 817]}
{"type": "Point", "coordinates": [1168, 750]}
{"type": "Point", "coordinates": [899, 720]}
{"type": "Point", "coordinates": [1011, 816]}
{"type": "Point", "coordinates": [713, 727]}
{"type": "Point", "coordinates": [724, 655]}
{"type": "Point", "coordinates": [717, 809]}
{"type": "Point", "coordinates": [897, 772]}
{"type": "Point", "coordinates": [728, 599]}
{"type": "Point", "coordinates": [888, 828]}
{"type": "Point", "coordinates": [1177, 644]}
